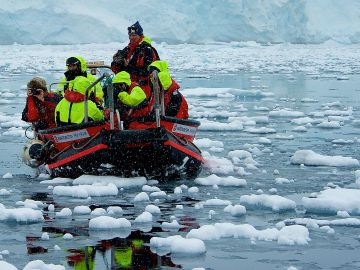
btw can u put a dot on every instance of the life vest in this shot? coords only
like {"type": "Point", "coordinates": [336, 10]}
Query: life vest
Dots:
{"type": "Point", "coordinates": [175, 103]}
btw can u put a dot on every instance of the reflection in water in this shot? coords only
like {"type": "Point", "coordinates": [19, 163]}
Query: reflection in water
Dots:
{"type": "Point", "coordinates": [118, 253]}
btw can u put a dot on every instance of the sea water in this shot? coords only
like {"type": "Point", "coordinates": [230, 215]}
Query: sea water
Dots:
{"type": "Point", "coordinates": [283, 92]}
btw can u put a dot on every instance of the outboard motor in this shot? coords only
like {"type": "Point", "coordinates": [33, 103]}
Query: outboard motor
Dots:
{"type": "Point", "coordinates": [34, 153]}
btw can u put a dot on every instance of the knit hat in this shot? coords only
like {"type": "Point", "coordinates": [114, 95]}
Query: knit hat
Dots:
{"type": "Point", "coordinates": [122, 77]}
{"type": "Point", "coordinates": [135, 29]}
{"type": "Point", "coordinates": [37, 83]}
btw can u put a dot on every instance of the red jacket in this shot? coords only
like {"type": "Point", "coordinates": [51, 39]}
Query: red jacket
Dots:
{"type": "Point", "coordinates": [174, 102]}
{"type": "Point", "coordinates": [41, 113]}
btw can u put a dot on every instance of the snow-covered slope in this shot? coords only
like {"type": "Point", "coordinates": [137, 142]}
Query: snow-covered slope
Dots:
{"type": "Point", "coordinates": [179, 21]}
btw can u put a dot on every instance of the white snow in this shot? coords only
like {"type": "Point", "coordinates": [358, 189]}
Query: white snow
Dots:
{"type": "Point", "coordinates": [309, 157]}
{"type": "Point", "coordinates": [85, 191]}
{"type": "Point", "coordinates": [105, 180]}
{"type": "Point", "coordinates": [7, 266]}
{"type": "Point", "coordinates": [179, 245]}
{"type": "Point", "coordinates": [7, 175]}
{"type": "Point", "coordinates": [40, 265]}
{"type": "Point", "coordinates": [153, 209]}
{"type": "Point", "coordinates": [108, 223]}
{"type": "Point", "coordinates": [220, 181]}
{"type": "Point", "coordinates": [289, 235]}
{"type": "Point", "coordinates": [334, 200]}
{"type": "Point", "coordinates": [144, 217]}
{"type": "Point", "coordinates": [141, 197]}
{"type": "Point", "coordinates": [20, 215]}
{"type": "Point", "coordinates": [82, 210]}
{"type": "Point", "coordinates": [275, 202]}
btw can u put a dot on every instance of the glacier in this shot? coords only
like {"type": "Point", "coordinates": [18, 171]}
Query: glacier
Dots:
{"type": "Point", "coordinates": [180, 21]}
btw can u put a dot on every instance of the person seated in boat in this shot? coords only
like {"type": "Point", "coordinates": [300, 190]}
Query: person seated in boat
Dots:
{"type": "Point", "coordinates": [131, 99]}
{"type": "Point", "coordinates": [70, 109]}
{"type": "Point", "coordinates": [136, 56]}
{"type": "Point", "coordinates": [76, 66]}
{"type": "Point", "coordinates": [175, 103]}
{"type": "Point", "coordinates": [40, 105]}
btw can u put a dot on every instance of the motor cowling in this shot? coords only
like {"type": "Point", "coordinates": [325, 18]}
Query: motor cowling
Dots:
{"type": "Point", "coordinates": [33, 153]}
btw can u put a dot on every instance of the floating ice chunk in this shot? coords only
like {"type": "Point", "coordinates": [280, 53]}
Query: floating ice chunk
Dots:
{"type": "Point", "coordinates": [31, 204]}
{"type": "Point", "coordinates": [84, 191]}
{"type": "Point", "coordinates": [177, 190]}
{"type": "Point", "coordinates": [300, 129]}
{"type": "Point", "coordinates": [342, 214]}
{"type": "Point", "coordinates": [342, 141]}
{"type": "Point", "coordinates": [153, 209]}
{"type": "Point", "coordinates": [40, 265]}
{"type": "Point", "coordinates": [348, 112]}
{"type": "Point", "coordinates": [108, 223]}
{"type": "Point", "coordinates": [141, 197]}
{"type": "Point", "coordinates": [51, 208]}
{"type": "Point", "coordinates": [236, 210]}
{"type": "Point", "coordinates": [7, 266]}
{"type": "Point", "coordinates": [219, 126]}
{"type": "Point", "coordinates": [179, 245]}
{"type": "Point", "coordinates": [333, 200]}
{"type": "Point", "coordinates": [275, 202]}
{"type": "Point", "coordinates": [264, 109]}
{"type": "Point", "coordinates": [216, 202]}
{"type": "Point", "coordinates": [158, 194]}
{"type": "Point", "coordinates": [309, 100]}
{"type": "Point", "coordinates": [57, 181]}
{"type": "Point", "coordinates": [56, 247]}
{"type": "Point", "coordinates": [193, 189]}
{"type": "Point", "coordinates": [284, 137]}
{"type": "Point", "coordinates": [295, 234]}
{"type": "Point", "coordinates": [144, 217]}
{"type": "Point", "coordinates": [98, 212]}
{"type": "Point", "coordinates": [273, 190]}
{"type": "Point", "coordinates": [14, 132]}
{"type": "Point", "coordinates": [4, 252]}
{"type": "Point", "coordinates": [220, 181]}
{"type": "Point", "coordinates": [219, 165]}
{"type": "Point", "coordinates": [45, 236]}
{"type": "Point", "coordinates": [8, 175]}
{"type": "Point", "coordinates": [172, 225]}
{"type": "Point", "coordinates": [20, 215]}
{"type": "Point", "coordinates": [68, 236]}
{"type": "Point", "coordinates": [65, 212]}
{"type": "Point", "coordinates": [221, 92]}
{"type": "Point", "coordinates": [147, 188]}
{"type": "Point", "coordinates": [4, 192]}
{"type": "Point", "coordinates": [114, 210]}
{"type": "Point", "coordinates": [281, 180]}
{"type": "Point", "coordinates": [241, 154]}
{"type": "Point", "coordinates": [261, 130]}
{"type": "Point", "coordinates": [107, 179]}
{"type": "Point", "coordinates": [302, 121]}
{"type": "Point", "coordinates": [342, 78]}
{"type": "Point", "coordinates": [329, 124]}
{"type": "Point", "coordinates": [180, 207]}
{"type": "Point", "coordinates": [309, 157]}
{"type": "Point", "coordinates": [206, 143]}
{"type": "Point", "coordinates": [82, 210]}
{"type": "Point", "coordinates": [264, 140]}
{"type": "Point", "coordinates": [292, 235]}
{"type": "Point", "coordinates": [285, 113]}
{"type": "Point", "coordinates": [327, 229]}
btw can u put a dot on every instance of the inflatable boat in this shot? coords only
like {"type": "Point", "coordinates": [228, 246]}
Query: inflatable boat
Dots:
{"type": "Point", "coordinates": [162, 150]}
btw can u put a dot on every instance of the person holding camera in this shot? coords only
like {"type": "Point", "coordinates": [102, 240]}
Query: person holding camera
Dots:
{"type": "Point", "coordinates": [136, 56]}
{"type": "Point", "coordinates": [40, 105]}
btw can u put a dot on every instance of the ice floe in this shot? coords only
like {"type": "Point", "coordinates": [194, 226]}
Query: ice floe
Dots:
{"type": "Point", "coordinates": [220, 181]}
{"type": "Point", "coordinates": [274, 202]}
{"type": "Point", "coordinates": [309, 157]}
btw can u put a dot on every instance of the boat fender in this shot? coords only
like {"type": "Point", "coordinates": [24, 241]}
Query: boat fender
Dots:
{"type": "Point", "coordinates": [33, 153]}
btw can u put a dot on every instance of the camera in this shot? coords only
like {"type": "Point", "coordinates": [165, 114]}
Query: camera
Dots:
{"type": "Point", "coordinates": [35, 91]}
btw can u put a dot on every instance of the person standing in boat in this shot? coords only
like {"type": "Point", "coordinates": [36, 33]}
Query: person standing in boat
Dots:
{"type": "Point", "coordinates": [40, 105]}
{"type": "Point", "coordinates": [136, 56]}
{"type": "Point", "coordinates": [132, 100]}
{"type": "Point", "coordinates": [175, 103]}
{"type": "Point", "coordinates": [76, 66]}
{"type": "Point", "coordinates": [70, 109]}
